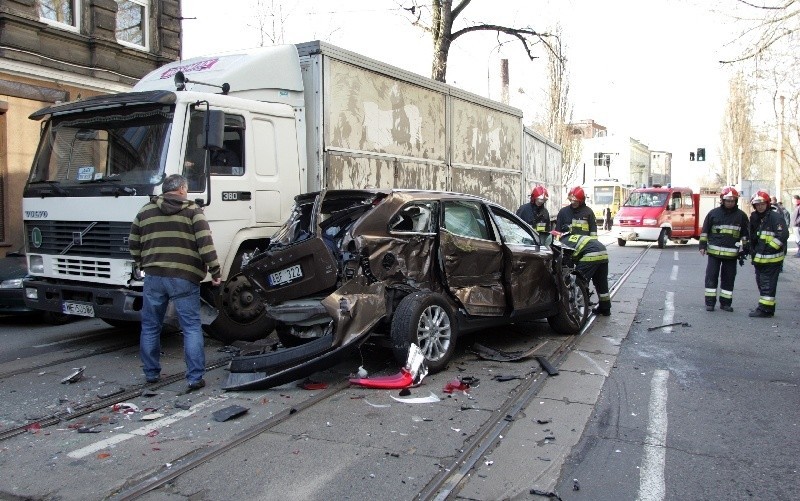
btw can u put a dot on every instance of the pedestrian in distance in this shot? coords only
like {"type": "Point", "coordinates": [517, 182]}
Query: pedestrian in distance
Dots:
{"type": "Point", "coordinates": [171, 243]}
{"type": "Point", "coordinates": [608, 221]}
{"type": "Point", "coordinates": [576, 218]}
{"type": "Point", "coordinates": [725, 239]}
{"type": "Point", "coordinates": [780, 209]}
{"type": "Point", "coordinates": [535, 213]}
{"type": "Point", "coordinates": [591, 262]}
{"type": "Point", "coordinates": [769, 235]}
{"type": "Point", "coordinates": [796, 223]}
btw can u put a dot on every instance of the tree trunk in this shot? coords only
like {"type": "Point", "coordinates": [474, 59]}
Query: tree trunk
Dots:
{"type": "Point", "coordinates": [442, 31]}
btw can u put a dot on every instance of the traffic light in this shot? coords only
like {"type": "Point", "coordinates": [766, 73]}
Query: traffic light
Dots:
{"type": "Point", "coordinates": [691, 156]}
{"type": "Point", "coordinates": [701, 154]}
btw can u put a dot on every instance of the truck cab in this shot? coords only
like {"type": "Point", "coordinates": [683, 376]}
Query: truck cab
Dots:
{"type": "Point", "coordinates": [657, 214]}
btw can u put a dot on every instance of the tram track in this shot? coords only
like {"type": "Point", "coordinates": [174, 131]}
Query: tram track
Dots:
{"type": "Point", "coordinates": [451, 476]}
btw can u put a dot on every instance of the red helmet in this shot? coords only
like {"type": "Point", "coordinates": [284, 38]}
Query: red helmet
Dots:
{"type": "Point", "coordinates": [729, 193]}
{"type": "Point", "coordinates": [761, 197]}
{"type": "Point", "coordinates": [577, 194]}
{"type": "Point", "coordinates": [540, 193]}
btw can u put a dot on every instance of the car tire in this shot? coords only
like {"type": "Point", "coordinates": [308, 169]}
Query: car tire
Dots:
{"type": "Point", "coordinates": [570, 320]}
{"type": "Point", "coordinates": [621, 242]}
{"type": "Point", "coordinates": [662, 238]}
{"type": "Point", "coordinates": [241, 311]}
{"type": "Point", "coordinates": [55, 318]}
{"type": "Point", "coordinates": [126, 325]}
{"type": "Point", "coordinates": [425, 319]}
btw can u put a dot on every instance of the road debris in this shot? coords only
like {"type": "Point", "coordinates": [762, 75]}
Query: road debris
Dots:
{"type": "Point", "coordinates": [432, 398]}
{"type": "Point", "coordinates": [487, 353]}
{"type": "Point", "coordinates": [229, 412]}
{"type": "Point", "coordinates": [549, 368]}
{"type": "Point", "coordinates": [75, 376]}
{"type": "Point", "coordinates": [410, 375]}
{"type": "Point", "coordinates": [673, 324]}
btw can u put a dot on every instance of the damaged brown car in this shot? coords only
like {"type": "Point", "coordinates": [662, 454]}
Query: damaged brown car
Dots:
{"type": "Point", "coordinates": [417, 267]}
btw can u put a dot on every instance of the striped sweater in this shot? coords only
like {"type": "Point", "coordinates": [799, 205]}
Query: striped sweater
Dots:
{"type": "Point", "coordinates": [170, 237]}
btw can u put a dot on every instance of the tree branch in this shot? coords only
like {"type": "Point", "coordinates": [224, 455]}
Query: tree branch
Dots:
{"type": "Point", "coordinates": [519, 33]}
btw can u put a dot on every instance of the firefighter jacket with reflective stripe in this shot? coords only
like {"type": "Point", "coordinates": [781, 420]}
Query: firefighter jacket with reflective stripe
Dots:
{"type": "Point", "coordinates": [580, 221]}
{"type": "Point", "coordinates": [536, 216]}
{"type": "Point", "coordinates": [722, 229]}
{"type": "Point", "coordinates": [769, 234]}
{"type": "Point", "coordinates": [587, 249]}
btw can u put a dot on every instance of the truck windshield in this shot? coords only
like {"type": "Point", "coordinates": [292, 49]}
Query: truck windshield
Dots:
{"type": "Point", "coordinates": [646, 199]}
{"type": "Point", "coordinates": [115, 146]}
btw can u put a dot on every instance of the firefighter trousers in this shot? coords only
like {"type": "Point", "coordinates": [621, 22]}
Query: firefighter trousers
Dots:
{"type": "Point", "coordinates": [597, 273]}
{"type": "Point", "coordinates": [727, 277]}
{"type": "Point", "coordinates": [767, 281]}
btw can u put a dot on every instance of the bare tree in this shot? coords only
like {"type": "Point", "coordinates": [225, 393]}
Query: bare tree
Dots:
{"type": "Point", "coordinates": [270, 19]}
{"type": "Point", "coordinates": [438, 19]}
{"type": "Point", "coordinates": [768, 25]}
{"type": "Point", "coordinates": [737, 133]}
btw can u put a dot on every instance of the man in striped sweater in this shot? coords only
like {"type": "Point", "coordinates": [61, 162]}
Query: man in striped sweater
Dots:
{"type": "Point", "coordinates": [170, 241]}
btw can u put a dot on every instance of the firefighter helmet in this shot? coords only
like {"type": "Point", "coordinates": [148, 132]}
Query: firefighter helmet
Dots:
{"type": "Point", "coordinates": [540, 193]}
{"type": "Point", "coordinates": [729, 193]}
{"type": "Point", "coordinates": [577, 193]}
{"type": "Point", "coordinates": [761, 197]}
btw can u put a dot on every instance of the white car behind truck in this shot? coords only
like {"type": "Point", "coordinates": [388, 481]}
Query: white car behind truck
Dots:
{"type": "Point", "coordinates": [250, 131]}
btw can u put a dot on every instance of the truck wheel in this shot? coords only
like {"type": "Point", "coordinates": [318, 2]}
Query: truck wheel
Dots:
{"type": "Point", "coordinates": [574, 312]}
{"type": "Point", "coordinates": [241, 311]}
{"type": "Point", "coordinates": [662, 238]}
{"type": "Point", "coordinates": [55, 318]}
{"type": "Point", "coordinates": [621, 242]}
{"type": "Point", "coordinates": [126, 325]}
{"type": "Point", "coordinates": [425, 319]}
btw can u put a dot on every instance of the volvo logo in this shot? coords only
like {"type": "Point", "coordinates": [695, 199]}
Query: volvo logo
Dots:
{"type": "Point", "coordinates": [36, 237]}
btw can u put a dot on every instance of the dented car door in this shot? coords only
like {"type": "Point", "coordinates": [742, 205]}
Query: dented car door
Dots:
{"type": "Point", "coordinates": [472, 259]}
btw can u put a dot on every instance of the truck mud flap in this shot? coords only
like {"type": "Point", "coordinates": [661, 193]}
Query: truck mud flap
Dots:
{"type": "Point", "coordinates": [286, 374]}
{"type": "Point", "coordinates": [279, 359]}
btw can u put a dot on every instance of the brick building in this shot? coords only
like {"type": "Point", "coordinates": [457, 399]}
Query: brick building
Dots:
{"type": "Point", "coordinates": [61, 50]}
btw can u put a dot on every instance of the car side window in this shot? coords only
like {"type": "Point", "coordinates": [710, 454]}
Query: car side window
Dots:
{"type": "Point", "coordinates": [676, 200]}
{"type": "Point", "coordinates": [417, 217]}
{"type": "Point", "coordinates": [466, 219]}
{"type": "Point", "coordinates": [511, 230]}
{"type": "Point", "coordinates": [687, 201]}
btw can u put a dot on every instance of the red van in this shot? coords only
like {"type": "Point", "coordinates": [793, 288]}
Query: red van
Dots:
{"type": "Point", "coordinates": [659, 214]}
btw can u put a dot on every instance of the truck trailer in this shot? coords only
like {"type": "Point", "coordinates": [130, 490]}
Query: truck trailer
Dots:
{"type": "Point", "coordinates": [294, 119]}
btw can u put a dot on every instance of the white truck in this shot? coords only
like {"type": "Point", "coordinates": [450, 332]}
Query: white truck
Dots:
{"type": "Point", "coordinates": [250, 131]}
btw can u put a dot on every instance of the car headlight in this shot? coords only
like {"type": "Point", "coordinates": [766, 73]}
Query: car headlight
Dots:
{"type": "Point", "coordinates": [14, 283]}
{"type": "Point", "coordinates": [649, 222]}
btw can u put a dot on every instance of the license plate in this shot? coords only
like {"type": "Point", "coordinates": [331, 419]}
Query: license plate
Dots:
{"type": "Point", "coordinates": [80, 309]}
{"type": "Point", "coordinates": [285, 276]}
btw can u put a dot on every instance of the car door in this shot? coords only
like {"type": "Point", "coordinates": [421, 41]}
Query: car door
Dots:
{"type": "Point", "coordinates": [472, 258]}
{"type": "Point", "coordinates": [676, 214]}
{"type": "Point", "coordinates": [526, 276]}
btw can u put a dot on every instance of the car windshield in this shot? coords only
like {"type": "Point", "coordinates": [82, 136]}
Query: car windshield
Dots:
{"type": "Point", "coordinates": [115, 145]}
{"type": "Point", "coordinates": [646, 199]}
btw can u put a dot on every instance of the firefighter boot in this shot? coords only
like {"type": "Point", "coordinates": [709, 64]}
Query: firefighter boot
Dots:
{"type": "Point", "coordinates": [710, 307]}
{"type": "Point", "coordinates": [759, 313]}
{"type": "Point", "coordinates": [726, 307]}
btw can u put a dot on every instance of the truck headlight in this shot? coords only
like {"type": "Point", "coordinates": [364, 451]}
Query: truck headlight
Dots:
{"type": "Point", "coordinates": [649, 222]}
{"type": "Point", "coordinates": [35, 264]}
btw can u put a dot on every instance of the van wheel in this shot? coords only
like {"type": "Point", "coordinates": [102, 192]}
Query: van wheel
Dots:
{"type": "Point", "coordinates": [573, 310]}
{"type": "Point", "coordinates": [662, 238]}
{"type": "Point", "coordinates": [621, 242]}
{"type": "Point", "coordinates": [425, 319]}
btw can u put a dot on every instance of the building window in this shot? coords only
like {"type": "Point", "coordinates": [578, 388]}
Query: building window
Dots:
{"type": "Point", "coordinates": [132, 22]}
{"type": "Point", "coordinates": [62, 13]}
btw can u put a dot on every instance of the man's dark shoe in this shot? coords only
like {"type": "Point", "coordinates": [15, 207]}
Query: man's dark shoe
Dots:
{"type": "Point", "coordinates": [726, 307]}
{"type": "Point", "coordinates": [152, 379]}
{"type": "Point", "coordinates": [196, 385]}
{"type": "Point", "coordinates": [605, 313]}
{"type": "Point", "coordinates": [710, 307]}
{"type": "Point", "coordinates": [759, 313]}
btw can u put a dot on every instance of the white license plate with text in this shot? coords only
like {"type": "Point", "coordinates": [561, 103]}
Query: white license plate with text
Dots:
{"type": "Point", "coordinates": [80, 309]}
{"type": "Point", "coordinates": [286, 275]}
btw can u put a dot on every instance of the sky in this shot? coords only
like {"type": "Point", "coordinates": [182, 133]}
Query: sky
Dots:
{"type": "Point", "coordinates": [648, 69]}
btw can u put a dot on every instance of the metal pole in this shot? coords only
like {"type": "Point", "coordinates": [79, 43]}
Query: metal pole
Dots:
{"type": "Point", "coordinates": [779, 160]}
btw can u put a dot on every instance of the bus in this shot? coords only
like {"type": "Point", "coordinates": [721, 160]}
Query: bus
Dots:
{"type": "Point", "coordinates": [607, 193]}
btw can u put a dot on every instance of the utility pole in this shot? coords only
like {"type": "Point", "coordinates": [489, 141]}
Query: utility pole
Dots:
{"type": "Point", "coordinates": [779, 160]}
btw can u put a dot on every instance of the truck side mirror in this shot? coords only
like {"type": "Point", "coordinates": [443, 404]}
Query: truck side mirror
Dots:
{"type": "Point", "coordinates": [215, 125]}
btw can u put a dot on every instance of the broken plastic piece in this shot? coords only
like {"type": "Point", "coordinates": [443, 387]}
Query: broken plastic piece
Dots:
{"type": "Point", "coordinates": [419, 400]}
{"type": "Point", "coordinates": [313, 385]}
{"type": "Point", "coordinates": [151, 417]}
{"type": "Point", "coordinates": [229, 412]}
{"type": "Point", "coordinates": [402, 379]}
{"type": "Point", "coordinates": [456, 385]}
{"type": "Point", "coordinates": [75, 376]}
{"type": "Point", "coordinates": [125, 408]}
{"type": "Point", "coordinates": [547, 366]}
{"type": "Point", "coordinates": [88, 429]}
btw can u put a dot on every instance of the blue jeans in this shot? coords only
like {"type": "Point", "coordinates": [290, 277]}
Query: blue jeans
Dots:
{"type": "Point", "coordinates": [158, 292]}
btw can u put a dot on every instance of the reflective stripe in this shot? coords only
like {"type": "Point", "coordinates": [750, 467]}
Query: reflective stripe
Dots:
{"type": "Point", "coordinates": [727, 229]}
{"type": "Point", "coordinates": [716, 250]}
{"type": "Point", "coordinates": [766, 301]}
{"type": "Point", "coordinates": [540, 226]}
{"type": "Point", "coordinates": [726, 294]}
{"type": "Point", "coordinates": [604, 297]}
{"type": "Point", "coordinates": [712, 292]}
{"type": "Point", "coordinates": [703, 237]}
{"type": "Point", "coordinates": [768, 258]}
{"type": "Point", "coordinates": [594, 256]}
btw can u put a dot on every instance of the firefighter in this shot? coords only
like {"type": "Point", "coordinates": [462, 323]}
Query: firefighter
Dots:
{"type": "Point", "coordinates": [591, 261]}
{"type": "Point", "coordinates": [535, 213]}
{"type": "Point", "coordinates": [576, 218]}
{"type": "Point", "coordinates": [724, 239]}
{"type": "Point", "coordinates": [769, 234]}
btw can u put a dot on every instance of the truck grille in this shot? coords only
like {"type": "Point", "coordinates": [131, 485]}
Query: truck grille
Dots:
{"type": "Point", "coordinates": [76, 267]}
{"type": "Point", "coordinates": [106, 239]}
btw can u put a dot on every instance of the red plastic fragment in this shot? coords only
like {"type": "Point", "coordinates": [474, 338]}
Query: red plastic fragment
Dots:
{"type": "Point", "coordinates": [313, 385]}
{"type": "Point", "coordinates": [456, 385]}
{"type": "Point", "coordinates": [402, 379]}
{"type": "Point", "coordinates": [34, 428]}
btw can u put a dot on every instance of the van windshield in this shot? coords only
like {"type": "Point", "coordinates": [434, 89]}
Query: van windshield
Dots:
{"type": "Point", "coordinates": [646, 199]}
